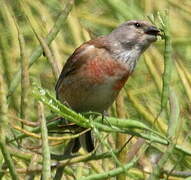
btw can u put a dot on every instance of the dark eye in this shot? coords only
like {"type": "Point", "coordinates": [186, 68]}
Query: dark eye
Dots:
{"type": "Point", "coordinates": [137, 25]}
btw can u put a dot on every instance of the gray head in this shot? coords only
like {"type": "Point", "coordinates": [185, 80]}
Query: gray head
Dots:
{"type": "Point", "coordinates": [135, 34]}
{"type": "Point", "coordinates": [129, 40]}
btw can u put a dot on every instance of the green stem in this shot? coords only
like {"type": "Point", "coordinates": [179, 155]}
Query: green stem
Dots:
{"type": "Point", "coordinates": [38, 51]}
{"type": "Point", "coordinates": [46, 171]}
{"type": "Point", "coordinates": [111, 173]}
{"type": "Point", "coordinates": [3, 123]}
{"type": "Point", "coordinates": [167, 62]}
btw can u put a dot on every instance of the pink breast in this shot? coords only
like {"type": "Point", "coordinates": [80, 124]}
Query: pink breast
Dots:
{"type": "Point", "coordinates": [100, 70]}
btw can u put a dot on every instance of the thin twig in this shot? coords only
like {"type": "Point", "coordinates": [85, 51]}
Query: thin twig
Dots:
{"type": "Point", "coordinates": [34, 135]}
{"type": "Point", "coordinates": [25, 122]}
{"type": "Point", "coordinates": [24, 73]}
{"type": "Point", "coordinates": [121, 138]}
{"type": "Point", "coordinates": [47, 51]}
{"type": "Point", "coordinates": [173, 125]}
{"type": "Point", "coordinates": [3, 127]}
{"type": "Point", "coordinates": [46, 171]}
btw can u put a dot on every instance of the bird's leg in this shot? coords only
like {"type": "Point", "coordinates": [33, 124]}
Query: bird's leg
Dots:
{"type": "Point", "coordinates": [104, 114]}
{"type": "Point", "coordinates": [102, 117]}
{"type": "Point", "coordinates": [65, 121]}
{"type": "Point", "coordinates": [121, 149]}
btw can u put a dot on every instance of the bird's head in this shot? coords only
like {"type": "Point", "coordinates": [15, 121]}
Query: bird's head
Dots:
{"type": "Point", "coordinates": [135, 34]}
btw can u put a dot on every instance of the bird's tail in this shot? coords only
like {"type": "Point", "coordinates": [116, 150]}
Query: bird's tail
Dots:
{"type": "Point", "coordinates": [85, 141]}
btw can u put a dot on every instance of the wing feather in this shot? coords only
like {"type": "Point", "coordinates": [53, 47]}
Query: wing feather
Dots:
{"type": "Point", "coordinates": [79, 57]}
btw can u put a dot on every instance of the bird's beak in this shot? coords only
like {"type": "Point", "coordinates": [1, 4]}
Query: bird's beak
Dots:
{"type": "Point", "coordinates": [152, 30]}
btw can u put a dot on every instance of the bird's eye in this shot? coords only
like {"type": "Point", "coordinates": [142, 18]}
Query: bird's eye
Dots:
{"type": "Point", "coordinates": [137, 25]}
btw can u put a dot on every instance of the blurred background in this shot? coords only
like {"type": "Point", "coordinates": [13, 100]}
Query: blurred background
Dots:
{"type": "Point", "coordinates": [142, 93]}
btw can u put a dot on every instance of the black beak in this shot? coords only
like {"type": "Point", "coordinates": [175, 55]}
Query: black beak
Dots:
{"type": "Point", "coordinates": [152, 30]}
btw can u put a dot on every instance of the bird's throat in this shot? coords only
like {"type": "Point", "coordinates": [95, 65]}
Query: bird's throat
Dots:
{"type": "Point", "coordinates": [128, 57]}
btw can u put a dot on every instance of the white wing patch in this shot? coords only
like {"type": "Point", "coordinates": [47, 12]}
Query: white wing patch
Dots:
{"type": "Point", "coordinates": [87, 49]}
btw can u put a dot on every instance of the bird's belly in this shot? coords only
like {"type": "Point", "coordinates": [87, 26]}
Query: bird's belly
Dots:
{"type": "Point", "coordinates": [98, 98]}
{"type": "Point", "coordinates": [86, 96]}
{"type": "Point", "coordinates": [95, 87]}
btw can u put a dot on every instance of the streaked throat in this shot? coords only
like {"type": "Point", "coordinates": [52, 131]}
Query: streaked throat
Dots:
{"type": "Point", "coordinates": [128, 57]}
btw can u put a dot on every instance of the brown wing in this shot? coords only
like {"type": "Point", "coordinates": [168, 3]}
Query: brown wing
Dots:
{"type": "Point", "coordinates": [71, 65]}
{"type": "Point", "coordinates": [78, 58]}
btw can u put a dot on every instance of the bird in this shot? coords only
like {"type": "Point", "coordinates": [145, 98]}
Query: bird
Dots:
{"type": "Point", "coordinates": [94, 74]}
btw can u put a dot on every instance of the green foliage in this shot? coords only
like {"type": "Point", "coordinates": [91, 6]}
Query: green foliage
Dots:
{"type": "Point", "coordinates": [157, 96]}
